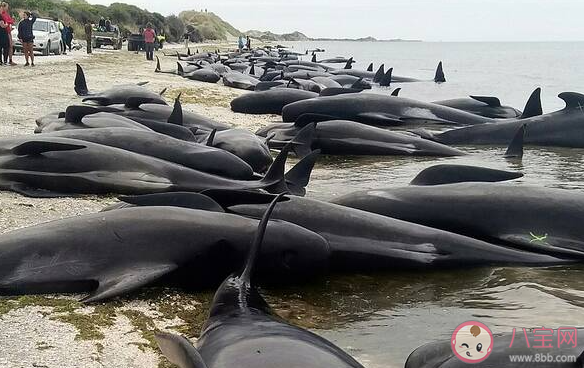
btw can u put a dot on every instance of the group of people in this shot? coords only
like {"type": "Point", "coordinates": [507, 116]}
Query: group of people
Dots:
{"type": "Point", "coordinates": [244, 43]}
{"type": "Point", "coordinates": [104, 25]}
{"type": "Point", "coordinates": [25, 35]}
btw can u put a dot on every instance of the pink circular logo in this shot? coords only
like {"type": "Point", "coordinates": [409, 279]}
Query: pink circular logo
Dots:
{"type": "Point", "coordinates": [472, 342]}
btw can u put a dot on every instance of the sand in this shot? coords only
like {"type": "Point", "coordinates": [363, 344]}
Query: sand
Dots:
{"type": "Point", "coordinates": [59, 332]}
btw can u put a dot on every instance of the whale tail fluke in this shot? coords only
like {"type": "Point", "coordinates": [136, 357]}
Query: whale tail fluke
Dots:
{"type": "Point", "coordinates": [299, 176]}
{"type": "Point", "coordinates": [178, 350]}
{"type": "Point", "coordinates": [533, 105]}
{"type": "Point", "coordinates": [80, 82]}
{"type": "Point", "coordinates": [302, 143]}
{"type": "Point", "coordinates": [439, 77]}
{"type": "Point", "coordinates": [274, 181]}
{"type": "Point", "coordinates": [515, 149]}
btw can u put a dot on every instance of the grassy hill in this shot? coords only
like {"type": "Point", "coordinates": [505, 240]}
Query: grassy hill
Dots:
{"type": "Point", "coordinates": [130, 18]}
{"type": "Point", "coordinates": [269, 36]}
{"type": "Point", "coordinates": [208, 25]}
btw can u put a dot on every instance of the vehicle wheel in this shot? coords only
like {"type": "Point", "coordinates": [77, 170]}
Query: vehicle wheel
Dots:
{"type": "Point", "coordinates": [47, 50]}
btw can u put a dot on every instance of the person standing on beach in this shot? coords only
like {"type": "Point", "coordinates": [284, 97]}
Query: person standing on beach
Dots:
{"type": "Point", "coordinates": [26, 36]}
{"type": "Point", "coordinates": [88, 30]}
{"type": "Point", "coordinates": [240, 43]}
{"type": "Point", "coordinates": [187, 37]}
{"type": "Point", "coordinates": [5, 16]}
{"type": "Point", "coordinates": [69, 38]}
{"type": "Point", "coordinates": [64, 37]}
{"type": "Point", "coordinates": [149, 37]}
{"type": "Point", "coordinates": [4, 43]}
{"type": "Point", "coordinates": [248, 43]}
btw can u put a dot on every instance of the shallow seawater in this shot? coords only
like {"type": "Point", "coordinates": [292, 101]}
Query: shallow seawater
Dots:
{"type": "Point", "coordinates": [382, 318]}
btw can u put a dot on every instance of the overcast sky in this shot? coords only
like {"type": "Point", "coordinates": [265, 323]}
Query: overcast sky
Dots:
{"type": "Point", "coordinates": [429, 20]}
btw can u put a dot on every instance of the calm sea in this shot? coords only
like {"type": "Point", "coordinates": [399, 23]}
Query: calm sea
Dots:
{"type": "Point", "coordinates": [381, 319]}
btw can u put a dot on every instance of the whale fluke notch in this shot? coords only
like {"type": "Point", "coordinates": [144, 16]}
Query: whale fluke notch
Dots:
{"type": "Point", "coordinates": [396, 92]}
{"type": "Point", "coordinates": [515, 149]}
{"type": "Point", "coordinates": [439, 77]}
{"type": "Point", "coordinates": [370, 67]}
{"type": "Point", "coordinates": [80, 82]}
{"type": "Point", "coordinates": [489, 100]}
{"type": "Point", "coordinates": [178, 350]}
{"type": "Point", "coordinates": [533, 105]}
{"type": "Point", "coordinates": [379, 74]}
{"type": "Point", "coordinates": [38, 147]}
{"type": "Point", "coordinates": [176, 117]}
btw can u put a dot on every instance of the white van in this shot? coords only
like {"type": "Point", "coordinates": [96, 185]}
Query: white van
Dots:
{"type": "Point", "coordinates": [47, 37]}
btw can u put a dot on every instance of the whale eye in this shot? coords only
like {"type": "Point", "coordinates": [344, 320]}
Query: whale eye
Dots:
{"type": "Point", "coordinates": [479, 347]}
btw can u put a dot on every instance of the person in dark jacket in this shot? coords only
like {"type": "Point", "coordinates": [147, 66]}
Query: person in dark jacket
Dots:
{"type": "Point", "coordinates": [69, 38]}
{"type": "Point", "coordinates": [26, 36]}
{"type": "Point", "coordinates": [4, 43]}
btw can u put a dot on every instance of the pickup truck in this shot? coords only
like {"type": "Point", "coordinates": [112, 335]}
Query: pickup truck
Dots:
{"type": "Point", "coordinates": [100, 38]}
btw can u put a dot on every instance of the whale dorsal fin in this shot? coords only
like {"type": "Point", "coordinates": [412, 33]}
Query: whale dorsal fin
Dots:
{"type": "Point", "coordinates": [489, 100]}
{"type": "Point", "coordinates": [379, 74]}
{"type": "Point", "coordinates": [80, 82]}
{"type": "Point", "coordinates": [533, 105]}
{"type": "Point", "coordinates": [395, 92]}
{"type": "Point", "coordinates": [370, 67]}
{"type": "Point", "coordinates": [573, 100]}
{"type": "Point", "coordinates": [176, 117]}
{"type": "Point", "coordinates": [439, 77]}
{"type": "Point", "coordinates": [515, 149]}
{"type": "Point", "coordinates": [178, 350]}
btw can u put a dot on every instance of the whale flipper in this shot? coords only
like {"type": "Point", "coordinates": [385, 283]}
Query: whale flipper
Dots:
{"type": "Point", "coordinates": [439, 77]}
{"type": "Point", "coordinates": [380, 118]}
{"type": "Point", "coordinates": [130, 278]}
{"type": "Point", "coordinates": [515, 149]}
{"type": "Point", "coordinates": [38, 147]}
{"type": "Point", "coordinates": [178, 350]}
{"type": "Point", "coordinates": [189, 200]}
{"type": "Point", "coordinates": [489, 100]}
{"type": "Point", "coordinates": [533, 105]}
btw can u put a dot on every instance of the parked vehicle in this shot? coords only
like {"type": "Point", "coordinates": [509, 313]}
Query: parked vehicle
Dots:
{"type": "Point", "coordinates": [102, 38]}
{"type": "Point", "coordinates": [47, 37]}
{"type": "Point", "coordinates": [136, 42]}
